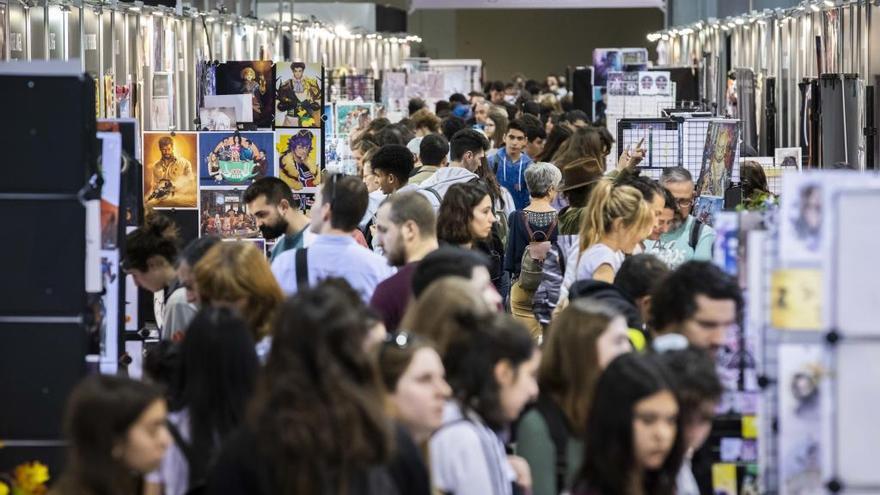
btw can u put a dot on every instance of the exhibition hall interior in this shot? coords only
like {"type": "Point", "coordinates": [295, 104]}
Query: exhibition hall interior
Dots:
{"type": "Point", "coordinates": [419, 247]}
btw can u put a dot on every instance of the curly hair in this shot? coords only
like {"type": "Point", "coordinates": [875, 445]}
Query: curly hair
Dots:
{"type": "Point", "coordinates": [302, 138]}
{"type": "Point", "coordinates": [158, 236]}
{"type": "Point", "coordinates": [457, 211]}
{"type": "Point", "coordinates": [675, 298]}
{"type": "Point", "coordinates": [318, 407]}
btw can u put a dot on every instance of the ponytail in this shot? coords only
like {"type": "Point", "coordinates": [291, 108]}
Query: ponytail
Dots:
{"type": "Point", "coordinates": [595, 221]}
{"type": "Point", "coordinates": [608, 202]}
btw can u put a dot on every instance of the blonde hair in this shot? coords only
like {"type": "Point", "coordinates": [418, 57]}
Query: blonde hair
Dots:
{"type": "Point", "coordinates": [234, 271]}
{"type": "Point", "coordinates": [609, 202]}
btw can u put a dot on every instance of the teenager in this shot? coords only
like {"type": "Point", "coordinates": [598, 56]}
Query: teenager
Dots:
{"type": "Point", "coordinates": [392, 165]}
{"type": "Point", "coordinates": [509, 163]}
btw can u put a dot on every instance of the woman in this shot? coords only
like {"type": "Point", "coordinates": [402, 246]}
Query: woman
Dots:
{"type": "Point", "coordinates": [218, 370]}
{"type": "Point", "coordinates": [237, 275]}
{"type": "Point", "coordinates": [491, 367]}
{"type": "Point", "coordinates": [668, 219]}
{"type": "Point", "coordinates": [533, 229]}
{"type": "Point", "coordinates": [413, 376]}
{"type": "Point", "coordinates": [179, 320]}
{"type": "Point", "coordinates": [150, 254]}
{"type": "Point", "coordinates": [116, 433]}
{"type": "Point", "coordinates": [555, 139]}
{"type": "Point", "coordinates": [316, 424]}
{"type": "Point", "coordinates": [496, 129]}
{"type": "Point", "coordinates": [617, 219]}
{"type": "Point", "coordinates": [634, 437]}
{"type": "Point", "coordinates": [359, 150]}
{"type": "Point", "coordinates": [581, 341]}
{"type": "Point", "coordinates": [585, 144]}
{"type": "Point", "coordinates": [754, 182]}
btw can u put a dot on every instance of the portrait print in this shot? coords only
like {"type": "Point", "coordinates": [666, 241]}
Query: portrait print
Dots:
{"type": "Point", "coordinates": [169, 174]}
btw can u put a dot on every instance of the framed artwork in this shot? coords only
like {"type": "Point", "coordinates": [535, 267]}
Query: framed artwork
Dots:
{"type": "Point", "coordinates": [233, 158]}
{"type": "Point", "coordinates": [169, 174]}
{"type": "Point", "coordinates": [299, 94]}
{"type": "Point", "coordinates": [254, 78]}
{"type": "Point", "coordinates": [719, 153]}
{"type": "Point", "coordinates": [223, 213]}
{"type": "Point", "coordinates": [299, 158]}
{"type": "Point", "coordinates": [352, 117]}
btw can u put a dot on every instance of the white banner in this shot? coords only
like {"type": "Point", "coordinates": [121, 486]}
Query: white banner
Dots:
{"type": "Point", "coordinates": [536, 4]}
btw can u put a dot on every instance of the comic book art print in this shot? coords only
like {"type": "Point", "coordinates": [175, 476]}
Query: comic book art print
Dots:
{"type": "Point", "coordinates": [299, 158]}
{"type": "Point", "coordinates": [719, 154]}
{"type": "Point", "coordinates": [255, 78]}
{"type": "Point", "coordinates": [299, 94]}
{"type": "Point", "coordinates": [170, 179]}
{"type": "Point", "coordinates": [223, 213]}
{"type": "Point", "coordinates": [605, 60]}
{"type": "Point", "coordinates": [352, 117]}
{"type": "Point", "coordinates": [234, 159]}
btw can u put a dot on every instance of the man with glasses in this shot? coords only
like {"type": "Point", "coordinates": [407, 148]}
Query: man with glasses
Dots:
{"type": "Point", "coordinates": [698, 301]}
{"type": "Point", "coordinates": [691, 239]}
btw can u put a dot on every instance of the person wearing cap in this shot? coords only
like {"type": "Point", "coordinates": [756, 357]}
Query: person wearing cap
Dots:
{"type": "Point", "coordinates": [578, 180]}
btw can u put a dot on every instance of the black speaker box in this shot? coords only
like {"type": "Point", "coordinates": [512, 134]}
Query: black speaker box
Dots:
{"type": "Point", "coordinates": [582, 90]}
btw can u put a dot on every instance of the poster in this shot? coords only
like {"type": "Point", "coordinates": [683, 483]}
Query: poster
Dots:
{"type": "Point", "coordinates": [394, 91]}
{"type": "Point", "coordinates": [217, 119]}
{"type": "Point", "coordinates": [253, 78]}
{"type": "Point", "coordinates": [352, 117]}
{"type": "Point", "coordinates": [299, 95]}
{"type": "Point", "coordinates": [707, 208]}
{"type": "Point", "coordinates": [654, 83]}
{"type": "Point", "coordinates": [223, 213]}
{"type": "Point", "coordinates": [604, 61]}
{"type": "Point", "coordinates": [796, 299]}
{"type": "Point", "coordinates": [615, 84]}
{"type": "Point", "coordinates": [719, 153]}
{"type": "Point", "coordinates": [169, 174]}
{"type": "Point", "coordinates": [299, 158]}
{"type": "Point", "coordinates": [111, 171]}
{"type": "Point", "coordinates": [802, 218]}
{"type": "Point", "coordinates": [787, 158]}
{"type": "Point", "coordinates": [233, 158]}
{"type": "Point", "coordinates": [726, 252]}
{"type": "Point", "coordinates": [724, 479]}
{"type": "Point", "coordinates": [800, 425]}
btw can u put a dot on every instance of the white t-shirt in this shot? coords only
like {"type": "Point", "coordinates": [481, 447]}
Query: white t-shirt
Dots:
{"type": "Point", "coordinates": [173, 473]}
{"type": "Point", "coordinates": [596, 256]}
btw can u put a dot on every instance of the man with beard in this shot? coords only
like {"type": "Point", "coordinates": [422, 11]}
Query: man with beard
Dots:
{"type": "Point", "coordinates": [277, 214]}
{"type": "Point", "coordinates": [406, 230]}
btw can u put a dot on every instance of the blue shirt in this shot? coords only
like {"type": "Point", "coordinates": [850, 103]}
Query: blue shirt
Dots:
{"type": "Point", "coordinates": [334, 256]}
{"type": "Point", "coordinates": [512, 176]}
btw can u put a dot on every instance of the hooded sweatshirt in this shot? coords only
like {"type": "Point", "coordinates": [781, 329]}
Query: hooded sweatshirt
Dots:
{"type": "Point", "coordinates": [442, 180]}
{"type": "Point", "coordinates": [511, 176]}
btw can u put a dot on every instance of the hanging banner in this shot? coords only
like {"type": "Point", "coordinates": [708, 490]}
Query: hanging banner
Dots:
{"type": "Point", "coordinates": [535, 4]}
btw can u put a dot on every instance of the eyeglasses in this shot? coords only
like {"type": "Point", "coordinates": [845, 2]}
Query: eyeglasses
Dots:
{"type": "Point", "coordinates": [683, 202]}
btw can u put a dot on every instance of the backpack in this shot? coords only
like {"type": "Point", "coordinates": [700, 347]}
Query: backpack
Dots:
{"type": "Point", "coordinates": [532, 263]}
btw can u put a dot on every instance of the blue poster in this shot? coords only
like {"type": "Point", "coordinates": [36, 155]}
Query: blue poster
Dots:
{"type": "Point", "coordinates": [234, 159]}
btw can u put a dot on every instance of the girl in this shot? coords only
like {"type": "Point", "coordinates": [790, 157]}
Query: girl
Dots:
{"type": "Point", "coordinates": [615, 222]}
{"type": "Point", "coordinates": [634, 437]}
{"type": "Point", "coordinates": [466, 215]}
{"type": "Point", "coordinates": [581, 341]}
{"type": "Point", "coordinates": [116, 431]}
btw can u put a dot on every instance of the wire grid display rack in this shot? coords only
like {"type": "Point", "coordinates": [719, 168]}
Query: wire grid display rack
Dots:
{"type": "Point", "coordinates": [352, 88]}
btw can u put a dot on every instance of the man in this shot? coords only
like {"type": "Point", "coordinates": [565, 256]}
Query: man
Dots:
{"type": "Point", "coordinates": [535, 135]}
{"type": "Point", "coordinates": [449, 261]}
{"type": "Point", "coordinates": [698, 301]}
{"type": "Point", "coordinates": [481, 113]}
{"type": "Point", "coordinates": [692, 240]}
{"type": "Point", "coordinates": [169, 167]}
{"type": "Point", "coordinates": [509, 164]}
{"type": "Point", "coordinates": [467, 149]}
{"type": "Point", "coordinates": [406, 231]}
{"type": "Point", "coordinates": [496, 92]}
{"type": "Point", "coordinates": [300, 98]}
{"type": "Point", "coordinates": [433, 154]}
{"type": "Point", "coordinates": [339, 206]}
{"type": "Point", "coordinates": [392, 165]}
{"type": "Point", "coordinates": [637, 278]}
{"type": "Point", "coordinates": [277, 214]}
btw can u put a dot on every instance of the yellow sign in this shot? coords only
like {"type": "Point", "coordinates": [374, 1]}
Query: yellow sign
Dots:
{"type": "Point", "coordinates": [796, 299]}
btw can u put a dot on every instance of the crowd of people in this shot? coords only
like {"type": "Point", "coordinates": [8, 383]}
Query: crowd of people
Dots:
{"type": "Point", "coordinates": [485, 309]}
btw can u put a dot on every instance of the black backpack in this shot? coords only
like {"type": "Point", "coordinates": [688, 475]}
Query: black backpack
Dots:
{"type": "Point", "coordinates": [696, 230]}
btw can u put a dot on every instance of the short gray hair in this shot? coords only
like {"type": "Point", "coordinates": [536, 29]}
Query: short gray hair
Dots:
{"type": "Point", "coordinates": [540, 177]}
{"type": "Point", "coordinates": [674, 175]}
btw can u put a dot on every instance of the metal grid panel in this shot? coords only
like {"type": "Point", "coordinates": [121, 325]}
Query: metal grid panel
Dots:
{"type": "Point", "coordinates": [659, 138]}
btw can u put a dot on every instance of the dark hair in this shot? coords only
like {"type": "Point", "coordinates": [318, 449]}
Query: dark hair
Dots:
{"type": "Point", "coordinates": [218, 371]}
{"type": "Point", "coordinates": [158, 236]}
{"type": "Point", "coordinates": [433, 149]}
{"type": "Point", "coordinates": [467, 140]}
{"type": "Point", "coordinates": [165, 141]}
{"type": "Point", "coordinates": [606, 138]}
{"type": "Point", "coordinates": [196, 249]}
{"type": "Point", "coordinates": [447, 261]}
{"type": "Point", "coordinates": [389, 135]}
{"type": "Point", "coordinates": [495, 86]}
{"type": "Point", "coordinates": [393, 360]}
{"type": "Point", "coordinates": [442, 108]}
{"type": "Point", "coordinates": [608, 451]}
{"type": "Point", "coordinates": [457, 210]}
{"type": "Point", "coordinates": [348, 198]}
{"type": "Point", "coordinates": [99, 413]}
{"type": "Point", "coordinates": [450, 126]}
{"type": "Point", "coordinates": [395, 159]}
{"type": "Point", "coordinates": [416, 104]}
{"type": "Point", "coordinates": [273, 188]}
{"type": "Point", "coordinates": [649, 188]}
{"type": "Point", "coordinates": [696, 379]}
{"type": "Point", "coordinates": [530, 107]}
{"type": "Point", "coordinates": [575, 115]}
{"type": "Point", "coordinates": [517, 124]}
{"type": "Point", "coordinates": [669, 201]}
{"type": "Point", "coordinates": [458, 98]}
{"type": "Point", "coordinates": [317, 413]}
{"type": "Point", "coordinates": [423, 118]}
{"type": "Point", "coordinates": [558, 135]}
{"type": "Point", "coordinates": [675, 299]}
{"type": "Point", "coordinates": [534, 127]}
{"type": "Point", "coordinates": [753, 179]}
{"type": "Point", "coordinates": [471, 356]}
{"type": "Point", "coordinates": [412, 206]}
{"type": "Point", "coordinates": [640, 274]}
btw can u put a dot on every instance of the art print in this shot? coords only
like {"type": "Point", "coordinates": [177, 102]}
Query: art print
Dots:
{"type": "Point", "coordinates": [223, 213]}
{"type": "Point", "coordinates": [615, 84]}
{"type": "Point", "coordinates": [707, 208]}
{"type": "Point", "coordinates": [299, 158]}
{"type": "Point", "coordinates": [233, 158]}
{"type": "Point", "coordinates": [217, 119]}
{"type": "Point", "coordinates": [111, 171]}
{"type": "Point", "coordinates": [787, 158]}
{"type": "Point", "coordinates": [394, 90]}
{"type": "Point", "coordinates": [352, 117]}
{"type": "Point", "coordinates": [726, 251]}
{"type": "Point", "coordinates": [299, 94]}
{"type": "Point", "coordinates": [802, 219]}
{"type": "Point", "coordinates": [605, 60]}
{"type": "Point", "coordinates": [253, 78]}
{"type": "Point", "coordinates": [719, 154]}
{"type": "Point", "coordinates": [169, 175]}
{"type": "Point", "coordinates": [796, 299]}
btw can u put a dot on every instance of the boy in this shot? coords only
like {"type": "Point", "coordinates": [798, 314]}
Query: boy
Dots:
{"type": "Point", "coordinates": [510, 163]}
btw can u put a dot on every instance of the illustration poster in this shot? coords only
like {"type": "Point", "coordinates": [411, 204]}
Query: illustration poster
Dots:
{"type": "Point", "coordinates": [169, 175]}
{"type": "Point", "coordinates": [724, 479]}
{"type": "Point", "coordinates": [254, 78]}
{"type": "Point", "coordinates": [796, 299]}
{"type": "Point", "coordinates": [719, 154]}
{"type": "Point", "coordinates": [217, 119]}
{"type": "Point", "coordinates": [604, 61]}
{"type": "Point", "coordinates": [224, 213]}
{"type": "Point", "coordinates": [787, 158]}
{"type": "Point", "coordinates": [111, 170]}
{"type": "Point", "coordinates": [726, 253]}
{"type": "Point", "coordinates": [232, 158]}
{"type": "Point", "coordinates": [299, 158]}
{"type": "Point", "coordinates": [801, 219]}
{"type": "Point", "coordinates": [352, 117]}
{"type": "Point", "coordinates": [299, 95]}
{"type": "Point", "coordinates": [800, 424]}
{"type": "Point", "coordinates": [707, 208]}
